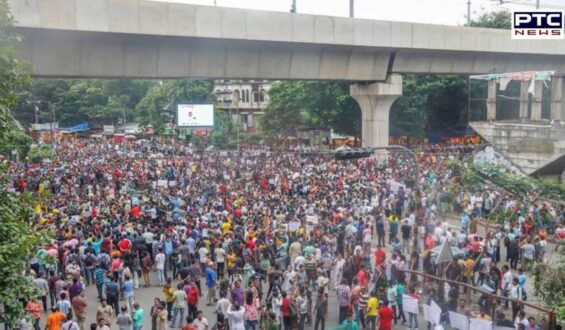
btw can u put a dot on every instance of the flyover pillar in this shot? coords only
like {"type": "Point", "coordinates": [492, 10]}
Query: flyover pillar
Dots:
{"type": "Point", "coordinates": [557, 99]}
{"type": "Point", "coordinates": [491, 100]}
{"type": "Point", "coordinates": [536, 100]}
{"type": "Point", "coordinates": [375, 101]}
{"type": "Point", "coordinates": [524, 99]}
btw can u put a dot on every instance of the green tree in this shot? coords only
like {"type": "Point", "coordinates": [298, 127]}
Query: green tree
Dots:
{"type": "Point", "coordinates": [500, 19]}
{"type": "Point", "coordinates": [74, 101]}
{"type": "Point", "coordinates": [18, 238]}
{"type": "Point", "coordinates": [11, 138]}
{"type": "Point", "coordinates": [314, 104]}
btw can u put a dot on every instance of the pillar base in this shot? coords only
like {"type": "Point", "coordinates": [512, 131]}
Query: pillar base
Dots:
{"type": "Point", "coordinates": [375, 101]}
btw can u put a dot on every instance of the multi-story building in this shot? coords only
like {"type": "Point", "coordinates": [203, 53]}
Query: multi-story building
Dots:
{"type": "Point", "coordinates": [244, 100]}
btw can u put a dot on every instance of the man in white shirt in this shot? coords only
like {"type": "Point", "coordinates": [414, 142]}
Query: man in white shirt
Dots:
{"type": "Point", "coordinates": [506, 282]}
{"type": "Point", "coordinates": [220, 255]}
{"type": "Point", "coordinates": [160, 265]}
{"type": "Point", "coordinates": [202, 256]}
{"type": "Point", "coordinates": [201, 323]}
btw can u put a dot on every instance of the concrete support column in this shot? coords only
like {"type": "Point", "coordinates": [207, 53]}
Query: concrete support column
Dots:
{"type": "Point", "coordinates": [557, 99]}
{"type": "Point", "coordinates": [375, 101]}
{"type": "Point", "coordinates": [524, 99]}
{"type": "Point", "coordinates": [491, 100]}
{"type": "Point", "coordinates": [537, 100]}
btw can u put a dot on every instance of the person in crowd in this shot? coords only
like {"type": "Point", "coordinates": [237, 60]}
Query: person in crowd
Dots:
{"type": "Point", "coordinates": [296, 221]}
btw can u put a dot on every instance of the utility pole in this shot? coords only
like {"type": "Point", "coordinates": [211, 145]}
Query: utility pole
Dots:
{"type": "Point", "coordinates": [36, 111]}
{"type": "Point", "coordinates": [351, 8]}
{"type": "Point", "coordinates": [293, 7]}
{"type": "Point", "coordinates": [468, 12]}
{"type": "Point", "coordinates": [537, 4]}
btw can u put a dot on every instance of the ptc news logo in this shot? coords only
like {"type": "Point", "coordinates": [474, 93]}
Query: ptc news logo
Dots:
{"type": "Point", "coordinates": [538, 24]}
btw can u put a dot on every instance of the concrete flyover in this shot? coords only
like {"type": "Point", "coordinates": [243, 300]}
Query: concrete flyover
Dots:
{"type": "Point", "coordinates": [146, 39]}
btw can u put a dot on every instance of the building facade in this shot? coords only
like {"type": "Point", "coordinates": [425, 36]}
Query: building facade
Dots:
{"type": "Point", "coordinates": [244, 100]}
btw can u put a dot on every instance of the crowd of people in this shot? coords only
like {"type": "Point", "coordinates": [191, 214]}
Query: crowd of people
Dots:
{"type": "Point", "coordinates": [267, 238]}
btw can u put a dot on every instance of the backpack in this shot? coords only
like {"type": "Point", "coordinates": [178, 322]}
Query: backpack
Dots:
{"type": "Point", "coordinates": [89, 259]}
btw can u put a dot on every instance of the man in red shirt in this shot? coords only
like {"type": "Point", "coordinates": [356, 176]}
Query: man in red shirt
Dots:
{"type": "Point", "coordinates": [380, 256]}
{"type": "Point", "coordinates": [286, 312]}
{"type": "Point", "coordinates": [125, 244]}
{"type": "Point", "coordinates": [385, 317]}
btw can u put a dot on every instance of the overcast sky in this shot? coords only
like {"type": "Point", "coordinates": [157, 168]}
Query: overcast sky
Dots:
{"type": "Point", "coordinates": [449, 12]}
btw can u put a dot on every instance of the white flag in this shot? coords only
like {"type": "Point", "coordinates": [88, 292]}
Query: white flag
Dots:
{"type": "Point", "coordinates": [531, 88]}
{"type": "Point", "coordinates": [445, 254]}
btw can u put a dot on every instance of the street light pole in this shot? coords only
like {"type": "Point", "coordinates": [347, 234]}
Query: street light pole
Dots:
{"type": "Point", "coordinates": [537, 4]}
{"type": "Point", "coordinates": [468, 12]}
{"type": "Point", "coordinates": [351, 8]}
{"type": "Point", "coordinates": [293, 7]}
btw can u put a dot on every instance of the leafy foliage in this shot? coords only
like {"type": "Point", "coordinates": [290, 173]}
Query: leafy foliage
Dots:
{"type": "Point", "coordinates": [549, 285]}
{"type": "Point", "coordinates": [477, 177]}
{"type": "Point", "coordinates": [18, 238]}
{"type": "Point", "coordinates": [314, 104]}
{"type": "Point", "coordinates": [74, 101]}
{"type": "Point", "coordinates": [10, 81]}
{"type": "Point", "coordinates": [40, 152]}
{"type": "Point", "coordinates": [494, 20]}
{"type": "Point", "coordinates": [18, 241]}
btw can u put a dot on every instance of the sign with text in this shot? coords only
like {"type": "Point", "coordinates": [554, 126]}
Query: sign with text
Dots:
{"type": "Point", "coordinates": [538, 24]}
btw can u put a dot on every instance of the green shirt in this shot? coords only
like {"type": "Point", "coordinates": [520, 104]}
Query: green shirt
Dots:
{"type": "Point", "coordinates": [138, 318]}
{"type": "Point", "coordinates": [179, 298]}
{"type": "Point", "coordinates": [350, 325]}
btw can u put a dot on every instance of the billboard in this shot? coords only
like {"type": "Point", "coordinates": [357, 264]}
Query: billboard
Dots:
{"type": "Point", "coordinates": [195, 115]}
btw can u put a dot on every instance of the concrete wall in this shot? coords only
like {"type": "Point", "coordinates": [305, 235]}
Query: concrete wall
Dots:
{"type": "Point", "coordinates": [529, 146]}
{"type": "Point", "coordinates": [137, 38]}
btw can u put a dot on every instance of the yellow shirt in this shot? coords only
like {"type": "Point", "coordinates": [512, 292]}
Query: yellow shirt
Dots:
{"type": "Point", "coordinates": [468, 270]}
{"type": "Point", "coordinates": [226, 226]}
{"type": "Point", "coordinates": [373, 306]}
{"type": "Point", "coordinates": [169, 292]}
{"type": "Point", "coordinates": [231, 260]}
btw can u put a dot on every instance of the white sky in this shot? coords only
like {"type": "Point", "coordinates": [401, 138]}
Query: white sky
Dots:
{"type": "Point", "coordinates": [448, 12]}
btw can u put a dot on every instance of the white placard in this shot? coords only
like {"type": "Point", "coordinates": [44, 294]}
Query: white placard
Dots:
{"type": "Point", "coordinates": [312, 219]}
{"type": "Point", "coordinates": [432, 313]}
{"type": "Point", "coordinates": [496, 327]}
{"type": "Point", "coordinates": [162, 183]}
{"type": "Point", "coordinates": [458, 321]}
{"type": "Point", "coordinates": [410, 304]}
{"type": "Point", "coordinates": [477, 324]}
{"type": "Point", "coordinates": [428, 314]}
{"type": "Point", "coordinates": [293, 226]}
{"type": "Point", "coordinates": [195, 115]}
{"type": "Point", "coordinates": [172, 183]}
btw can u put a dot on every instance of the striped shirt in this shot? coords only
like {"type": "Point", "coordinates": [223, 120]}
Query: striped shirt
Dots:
{"type": "Point", "coordinates": [363, 299]}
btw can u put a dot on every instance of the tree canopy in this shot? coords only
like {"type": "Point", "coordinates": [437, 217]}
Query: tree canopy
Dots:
{"type": "Point", "coordinates": [18, 237]}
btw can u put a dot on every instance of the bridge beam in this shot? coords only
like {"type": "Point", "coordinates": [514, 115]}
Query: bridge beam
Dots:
{"type": "Point", "coordinates": [375, 101]}
{"type": "Point", "coordinates": [557, 98]}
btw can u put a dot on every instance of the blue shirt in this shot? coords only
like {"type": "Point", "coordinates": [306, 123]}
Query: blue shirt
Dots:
{"type": "Point", "coordinates": [191, 243]}
{"type": "Point", "coordinates": [211, 277]}
{"type": "Point", "coordinates": [168, 247]}
{"type": "Point", "coordinates": [128, 288]}
{"type": "Point", "coordinates": [99, 275]}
